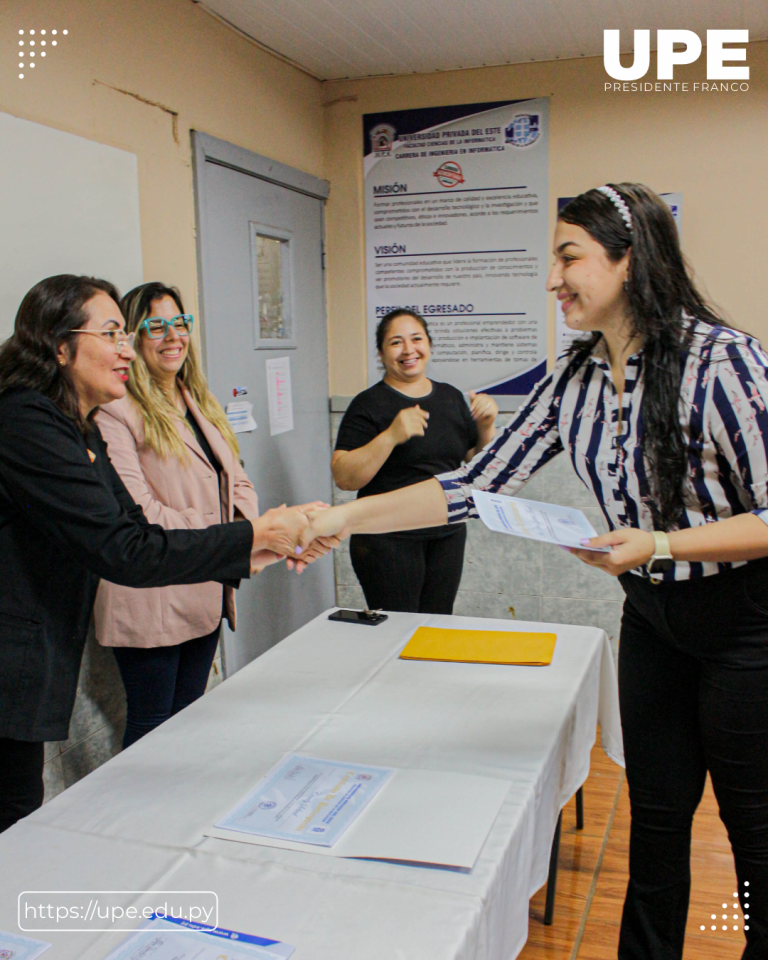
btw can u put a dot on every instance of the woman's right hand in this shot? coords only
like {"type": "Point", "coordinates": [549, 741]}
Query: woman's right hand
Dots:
{"type": "Point", "coordinates": [278, 530]}
{"type": "Point", "coordinates": [330, 524]}
{"type": "Point", "coordinates": [410, 422]}
{"type": "Point", "coordinates": [408, 508]}
{"type": "Point", "coordinates": [263, 558]}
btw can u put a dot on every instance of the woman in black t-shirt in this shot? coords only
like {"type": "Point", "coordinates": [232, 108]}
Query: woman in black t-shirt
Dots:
{"type": "Point", "coordinates": [405, 429]}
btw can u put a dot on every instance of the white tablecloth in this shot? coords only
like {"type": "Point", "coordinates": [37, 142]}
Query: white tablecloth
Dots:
{"type": "Point", "coordinates": [335, 690]}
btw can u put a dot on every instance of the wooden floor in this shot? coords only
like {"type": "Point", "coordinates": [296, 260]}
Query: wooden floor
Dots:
{"type": "Point", "coordinates": [592, 878]}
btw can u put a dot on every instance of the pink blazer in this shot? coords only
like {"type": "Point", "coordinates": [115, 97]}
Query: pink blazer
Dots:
{"type": "Point", "coordinates": [175, 495]}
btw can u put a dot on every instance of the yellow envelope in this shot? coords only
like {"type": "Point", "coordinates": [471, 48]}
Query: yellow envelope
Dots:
{"type": "Point", "coordinates": [480, 646]}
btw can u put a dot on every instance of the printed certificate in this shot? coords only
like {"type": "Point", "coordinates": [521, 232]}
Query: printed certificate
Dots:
{"type": "Point", "coordinates": [20, 948]}
{"type": "Point", "coordinates": [165, 938]}
{"type": "Point", "coordinates": [547, 522]}
{"type": "Point", "coordinates": [309, 800]}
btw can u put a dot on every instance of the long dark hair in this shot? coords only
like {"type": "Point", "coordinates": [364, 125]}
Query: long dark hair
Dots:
{"type": "Point", "coordinates": [661, 294]}
{"type": "Point", "coordinates": [48, 314]}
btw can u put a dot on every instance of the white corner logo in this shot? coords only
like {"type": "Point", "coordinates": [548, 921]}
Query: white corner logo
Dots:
{"type": "Point", "coordinates": [677, 48]}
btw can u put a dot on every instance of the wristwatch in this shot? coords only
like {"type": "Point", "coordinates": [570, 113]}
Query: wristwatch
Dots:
{"type": "Point", "coordinates": [662, 559]}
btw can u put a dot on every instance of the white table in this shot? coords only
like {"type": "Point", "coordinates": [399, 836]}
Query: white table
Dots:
{"type": "Point", "coordinates": [335, 690]}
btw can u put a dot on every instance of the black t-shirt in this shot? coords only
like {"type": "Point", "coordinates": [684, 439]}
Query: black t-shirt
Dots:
{"type": "Point", "coordinates": [450, 433]}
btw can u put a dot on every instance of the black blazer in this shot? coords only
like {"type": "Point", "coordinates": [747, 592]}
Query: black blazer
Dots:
{"type": "Point", "coordinates": [67, 520]}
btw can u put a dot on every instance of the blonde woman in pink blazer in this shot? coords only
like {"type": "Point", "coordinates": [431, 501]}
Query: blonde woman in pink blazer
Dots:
{"type": "Point", "coordinates": [170, 441]}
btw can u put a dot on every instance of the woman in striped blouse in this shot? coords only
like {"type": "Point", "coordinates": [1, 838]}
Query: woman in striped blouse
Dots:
{"type": "Point", "coordinates": [663, 409]}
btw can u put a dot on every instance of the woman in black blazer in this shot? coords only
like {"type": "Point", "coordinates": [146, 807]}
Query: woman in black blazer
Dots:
{"type": "Point", "coordinates": [66, 520]}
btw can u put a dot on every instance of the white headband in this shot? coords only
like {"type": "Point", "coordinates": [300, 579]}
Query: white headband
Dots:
{"type": "Point", "coordinates": [618, 202]}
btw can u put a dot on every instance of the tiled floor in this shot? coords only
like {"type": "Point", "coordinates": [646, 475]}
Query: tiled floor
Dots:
{"type": "Point", "coordinates": [592, 878]}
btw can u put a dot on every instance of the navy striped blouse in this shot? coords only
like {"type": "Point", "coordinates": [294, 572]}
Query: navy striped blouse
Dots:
{"type": "Point", "coordinates": [723, 413]}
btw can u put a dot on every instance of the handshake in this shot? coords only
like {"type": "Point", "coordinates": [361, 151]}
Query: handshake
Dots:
{"type": "Point", "coordinates": [292, 534]}
{"type": "Point", "coordinates": [302, 534]}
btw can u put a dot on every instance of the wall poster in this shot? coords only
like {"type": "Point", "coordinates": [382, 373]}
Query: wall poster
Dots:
{"type": "Point", "coordinates": [456, 204]}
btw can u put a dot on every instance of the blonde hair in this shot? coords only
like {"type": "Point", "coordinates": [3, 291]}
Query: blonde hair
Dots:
{"type": "Point", "coordinates": [160, 415]}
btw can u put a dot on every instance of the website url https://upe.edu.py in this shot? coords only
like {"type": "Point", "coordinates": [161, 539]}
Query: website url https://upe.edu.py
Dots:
{"type": "Point", "coordinates": [112, 910]}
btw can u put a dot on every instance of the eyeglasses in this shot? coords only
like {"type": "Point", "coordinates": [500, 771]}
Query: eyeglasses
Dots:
{"type": "Point", "coordinates": [118, 338]}
{"type": "Point", "coordinates": [157, 327]}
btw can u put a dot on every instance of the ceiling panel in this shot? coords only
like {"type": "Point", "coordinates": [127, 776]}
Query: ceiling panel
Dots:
{"type": "Point", "coordinates": [335, 39]}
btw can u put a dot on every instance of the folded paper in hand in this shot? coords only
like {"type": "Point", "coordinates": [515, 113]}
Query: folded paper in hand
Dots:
{"type": "Point", "coordinates": [547, 522]}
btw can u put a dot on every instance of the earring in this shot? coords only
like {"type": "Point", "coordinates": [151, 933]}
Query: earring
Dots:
{"type": "Point", "coordinates": [62, 361]}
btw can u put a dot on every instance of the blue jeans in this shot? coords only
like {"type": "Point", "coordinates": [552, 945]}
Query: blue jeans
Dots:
{"type": "Point", "coordinates": [161, 681]}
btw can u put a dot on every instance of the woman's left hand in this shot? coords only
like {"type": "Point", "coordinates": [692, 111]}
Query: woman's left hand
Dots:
{"type": "Point", "coordinates": [631, 548]}
{"type": "Point", "coordinates": [483, 408]}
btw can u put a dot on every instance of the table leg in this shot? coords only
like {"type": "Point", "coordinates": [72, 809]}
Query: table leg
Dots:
{"type": "Point", "coordinates": [549, 908]}
{"type": "Point", "coordinates": [580, 808]}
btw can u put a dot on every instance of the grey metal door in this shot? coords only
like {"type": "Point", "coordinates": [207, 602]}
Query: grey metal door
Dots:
{"type": "Point", "coordinates": [260, 230]}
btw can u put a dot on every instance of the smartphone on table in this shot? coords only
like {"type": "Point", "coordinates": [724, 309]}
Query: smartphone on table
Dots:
{"type": "Point", "coordinates": [370, 617]}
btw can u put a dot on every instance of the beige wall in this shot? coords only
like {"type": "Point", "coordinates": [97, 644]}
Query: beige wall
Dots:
{"type": "Point", "coordinates": [712, 147]}
{"type": "Point", "coordinates": [170, 52]}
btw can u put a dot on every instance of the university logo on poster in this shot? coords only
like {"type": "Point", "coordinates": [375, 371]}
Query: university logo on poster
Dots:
{"type": "Point", "coordinates": [382, 138]}
{"type": "Point", "coordinates": [524, 130]}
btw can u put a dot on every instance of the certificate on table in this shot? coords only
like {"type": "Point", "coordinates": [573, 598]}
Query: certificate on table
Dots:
{"type": "Point", "coordinates": [166, 938]}
{"type": "Point", "coordinates": [421, 816]}
{"type": "Point", "coordinates": [20, 948]}
{"type": "Point", "coordinates": [547, 522]}
{"type": "Point", "coordinates": [304, 799]}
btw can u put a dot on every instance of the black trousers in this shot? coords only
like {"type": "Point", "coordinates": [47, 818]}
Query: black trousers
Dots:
{"type": "Point", "coordinates": [21, 779]}
{"type": "Point", "coordinates": [413, 575]}
{"type": "Point", "coordinates": [161, 681]}
{"type": "Point", "coordinates": [693, 685]}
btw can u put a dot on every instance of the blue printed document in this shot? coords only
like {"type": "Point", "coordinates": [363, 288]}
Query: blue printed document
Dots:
{"type": "Point", "coordinates": [547, 522]}
{"type": "Point", "coordinates": [165, 938]}
{"type": "Point", "coordinates": [309, 800]}
{"type": "Point", "coordinates": [20, 948]}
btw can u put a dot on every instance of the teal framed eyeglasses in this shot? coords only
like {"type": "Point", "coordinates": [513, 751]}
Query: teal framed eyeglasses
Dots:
{"type": "Point", "coordinates": [157, 327]}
